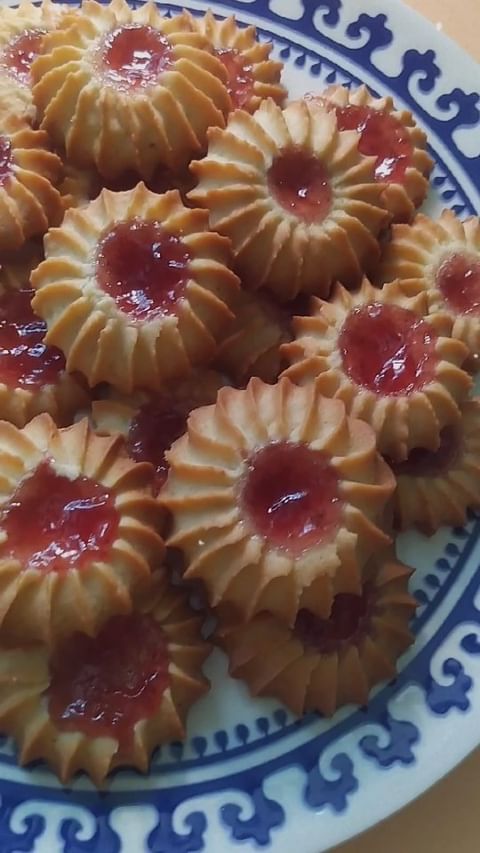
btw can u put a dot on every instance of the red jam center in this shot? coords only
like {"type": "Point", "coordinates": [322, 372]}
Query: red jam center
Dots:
{"type": "Point", "coordinates": [5, 159]}
{"type": "Point", "coordinates": [25, 361]}
{"type": "Point", "coordinates": [103, 686]}
{"type": "Point", "coordinates": [387, 349]}
{"type": "Point", "coordinates": [134, 56]}
{"type": "Point", "coordinates": [458, 279]}
{"type": "Point", "coordinates": [299, 182]}
{"type": "Point", "coordinates": [239, 76]}
{"type": "Point", "coordinates": [383, 137]}
{"type": "Point", "coordinates": [55, 524]}
{"type": "Point", "coordinates": [153, 430]}
{"type": "Point", "coordinates": [428, 463]}
{"type": "Point", "coordinates": [20, 53]}
{"type": "Point", "coordinates": [290, 494]}
{"type": "Point", "coordinates": [143, 267]}
{"type": "Point", "coordinates": [347, 623]}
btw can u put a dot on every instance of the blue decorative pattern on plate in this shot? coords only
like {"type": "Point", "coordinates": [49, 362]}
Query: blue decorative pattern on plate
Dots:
{"type": "Point", "coordinates": [250, 775]}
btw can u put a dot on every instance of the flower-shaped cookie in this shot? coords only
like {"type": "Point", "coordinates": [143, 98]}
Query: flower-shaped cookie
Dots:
{"type": "Point", "coordinates": [94, 704]}
{"type": "Point", "coordinates": [251, 75]}
{"type": "Point", "coordinates": [391, 366]}
{"type": "Point", "coordinates": [134, 288]}
{"type": "Point", "coordinates": [123, 88]}
{"type": "Point", "coordinates": [321, 664]}
{"type": "Point", "coordinates": [78, 530]}
{"type": "Point", "coordinates": [393, 137]}
{"type": "Point", "coordinates": [297, 199]}
{"type": "Point", "coordinates": [276, 497]}
{"type": "Point", "coordinates": [441, 258]}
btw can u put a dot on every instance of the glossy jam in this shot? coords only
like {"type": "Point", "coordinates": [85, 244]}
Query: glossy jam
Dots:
{"type": "Point", "coordinates": [20, 53]}
{"type": "Point", "coordinates": [431, 463]}
{"type": "Point", "coordinates": [25, 361]}
{"type": "Point", "coordinates": [387, 349]}
{"type": "Point", "coordinates": [134, 56]}
{"type": "Point", "coordinates": [103, 686]}
{"type": "Point", "coordinates": [54, 524]}
{"type": "Point", "coordinates": [458, 279]}
{"type": "Point", "coordinates": [239, 76]}
{"type": "Point", "coordinates": [6, 166]}
{"type": "Point", "coordinates": [143, 267]}
{"type": "Point", "coordinates": [383, 137]}
{"type": "Point", "coordinates": [290, 495]}
{"type": "Point", "coordinates": [300, 183]}
{"type": "Point", "coordinates": [153, 430]}
{"type": "Point", "coordinates": [347, 623]}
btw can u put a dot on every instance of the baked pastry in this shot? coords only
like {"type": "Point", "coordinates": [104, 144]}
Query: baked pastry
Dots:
{"type": "Point", "coordinates": [320, 664]}
{"type": "Point", "coordinates": [437, 488]}
{"type": "Point", "coordinates": [150, 423]}
{"type": "Point", "coordinates": [128, 81]}
{"type": "Point", "coordinates": [297, 199]}
{"type": "Point", "coordinates": [134, 289]}
{"type": "Point", "coordinates": [441, 258]}
{"type": "Point", "coordinates": [376, 351]}
{"type": "Point", "coordinates": [94, 704]}
{"type": "Point", "coordinates": [251, 75]}
{"type": "Point", "coordinates": [252, 345]}
{"type": "Point", "coordinates": [92, 530]}
{"type": "Point", "coordinates": [394, 138]}
{"type": "Point", "coordinates": [29, 172]}
{"type": "Point", "coordinates": [276, 497]}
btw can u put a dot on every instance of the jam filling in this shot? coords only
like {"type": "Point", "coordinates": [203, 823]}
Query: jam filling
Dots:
{"type": "Point", "coordinates": [20, 53]}
{"type": "Point", "coordinates": [458, 279]}
{"type": "Point", "coordinates": [383, 137]}
{"type": "Point", "coordinates": [239, 76]}
{"type": "Point", "coordinates": [53, 524]}
{"type": "Point", "coordinates": [5, 160]}
{"type": "Point", "coordinates": [387, 349]}
{"type": "Point", "coordinates": [25, 361]}
{"type": "Point", "coordinates": [155, 427]}
{"type": "Point", "coordinates": [290, 495]}
{"type": "Point", "coordinates": [134, 55]}
{"type": "Point", "coordinates": [143, 267]}
{"type": "Point", "coordinates": [300, 183]}
{"type": "Point", "coordinates": [347, 624]}
{"type": "Point", "coordinates": [431, 463]}
{"type": "Point", "coordinates": [103, 686]}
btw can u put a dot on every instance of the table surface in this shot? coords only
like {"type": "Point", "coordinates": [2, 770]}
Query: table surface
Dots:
{"type": "Point", "coordinates": [446, 819]}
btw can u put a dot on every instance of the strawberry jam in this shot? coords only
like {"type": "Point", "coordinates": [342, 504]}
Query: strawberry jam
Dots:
{"type": "Point", "coordinates": [143, 267]}
{"type": "Point", "coordinates": [153, 430]}
{"type": "Point", "coordinates": [20, 53]}
{"type": "Point", "coordinates": [55, 524]}
{"type": "Point", "coordinates": [25, 361]}
{"type": "Point", "coordinates": [458, 279]}
{"type": "Point", "coordinates": [300, 184]}
{"type": "Point", "coordinates": [103, 686]}
{"type": "Point", "coordinates": [290, 495]}
{"type": "Point", "coordinates": [5, 160]}
{"type": "Point", "coordinates": [239, 76]}
{"type": "Point", "coordinates": [347, 623]}
{"type": "Point", "coordinates": [431, 463]}
{"type": "Point", "coordinates": [134, 56]}
{"type": "Point", "coordinates": [387, 349]}
{"type": "Point", "coordinates": [383, 137]}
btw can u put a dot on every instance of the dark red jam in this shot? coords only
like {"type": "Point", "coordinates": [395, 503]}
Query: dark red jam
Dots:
{"type": "Point", "coordinates": [103, 686]}
{"type": "Point", "coordinates": [388, 349]}
{"type": "Point", "coordinates": [431, 463]}
{"type": "Point", "coordinates": [19, 54]}
{"type": "Point", "coordinates": [143, 267]}
{"type": "Point", "coordinates": [134, 55]}
{"type": "Point", "coordinates": [300, 183]}
{"type": "Point", "coordinates": [458, 279]}
{"type": "Point", "coordinates": [54, 524]}
{"type": "Point", "coordinates": [6, 166]}
{"type": "Point", "coordinates": [346, 625]}
{"type": "Point", "coordinates": [239, 76]}
{"type": "Point", "coordinates": [25, 361]}
{"type": "Point", "coordinates": [290, 495]}
{"type": "Point", "coordinates": [153, 430]}
{"type": "Point", "coordinates": [383, 137]}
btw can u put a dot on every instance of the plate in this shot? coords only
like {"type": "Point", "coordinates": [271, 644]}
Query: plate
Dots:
{"type": "Point", "coordinates": [250, 775]}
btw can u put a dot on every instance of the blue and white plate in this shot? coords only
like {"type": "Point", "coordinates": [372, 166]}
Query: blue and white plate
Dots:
{"type": "Point", "coordinates": [250, 775]}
